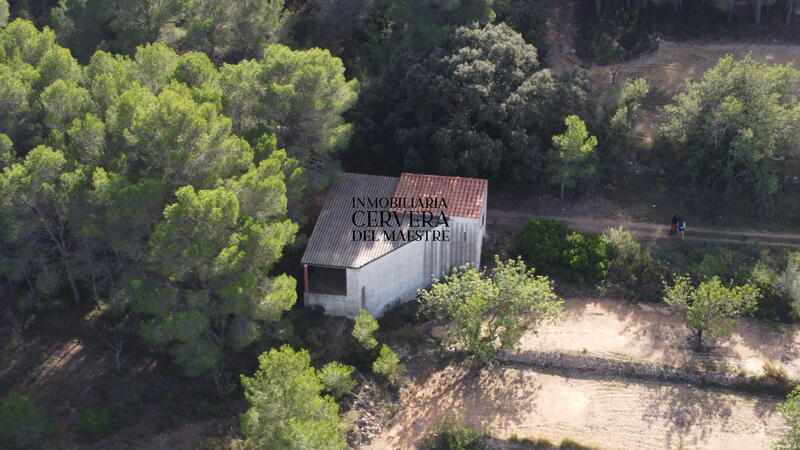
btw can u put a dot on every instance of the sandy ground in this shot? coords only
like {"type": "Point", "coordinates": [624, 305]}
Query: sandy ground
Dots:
{"type": "Point", "coordinates": [613, 329]}
{"type": "Point", "coordinates": [602, 412]}
{"type": "Point", "coordinates": [673, 63]}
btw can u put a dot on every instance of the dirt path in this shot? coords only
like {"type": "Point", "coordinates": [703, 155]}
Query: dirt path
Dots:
{"type": "Point", "coordinates": [515, 220]}
{"type": "Point", "coordinates": [612, 329]}
{"type": "Point", "coordinates": [560, 38]}
{"type": "Point", "coordinates": [611, 414]}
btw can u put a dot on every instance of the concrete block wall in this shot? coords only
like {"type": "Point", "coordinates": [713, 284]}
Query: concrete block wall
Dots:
{"type": "Point", "coordinates": [398, 275]}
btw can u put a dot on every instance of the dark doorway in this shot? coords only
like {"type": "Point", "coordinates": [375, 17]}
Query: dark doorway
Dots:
{"type": "Point", "coordinates": [327, 280]}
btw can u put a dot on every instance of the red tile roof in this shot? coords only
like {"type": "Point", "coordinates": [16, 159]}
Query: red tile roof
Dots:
{"type": "Point", "coordinates": [464, 196]}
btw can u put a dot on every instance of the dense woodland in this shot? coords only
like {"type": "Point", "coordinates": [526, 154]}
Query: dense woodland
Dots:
{"type": "Point", "coordinates": [156, 158]}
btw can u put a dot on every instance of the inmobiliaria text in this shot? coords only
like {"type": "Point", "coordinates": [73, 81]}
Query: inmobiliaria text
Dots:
{"type": "Point", "coordinates": [400, 219]}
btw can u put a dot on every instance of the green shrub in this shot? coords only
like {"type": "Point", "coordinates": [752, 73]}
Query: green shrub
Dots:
{"type": "Point", "coordinates": [454, 433]}
{"type": "Point", "coordinates": [787, 285]}
{"type": "Point", "coordinates": [587, 257]}
{"type": "Point", "coordinates": [622, 244]}
{"type": "Point", "coordinates": [540, 244]}
{"type": "Point", "coordinates": [94, 422]}
{"type": "Point", "coordinates": [364, 330]}
{"type": "Point", "coordinates": [722, 263]}
{"type": "Point", "coordinates": [553, 249]}
{"type": "Point", "coordinates": [633, 272]}
{"type": "Point", "coordinates": [388, 364]}
{"type": "Point", "coordinates": [337, 379]}
{"type": "Point", "coordinates": [23, 423]}
{"type": "Point", "coordinates": [790, 410]}
{"type": "Point", "coordinates": [772, 305]}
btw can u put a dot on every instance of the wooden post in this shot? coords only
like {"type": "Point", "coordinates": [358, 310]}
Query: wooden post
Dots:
{"type": "Point", "coordinates": [305, 278]}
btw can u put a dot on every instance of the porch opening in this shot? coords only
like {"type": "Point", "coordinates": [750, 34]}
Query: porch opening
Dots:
{"type": "Point", "coordinates": [327, 280]}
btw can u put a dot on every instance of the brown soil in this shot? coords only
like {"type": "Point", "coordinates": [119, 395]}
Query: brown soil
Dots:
{"type": "Point", "coordinates": [673, 63]}
{"type": "Point", "coordinates": [150, 405]}
{"type": "Point", "coordinates": [510, 401]}
{"type": "Point", "coordinates": [668, 68]}
{"type": "Point", "coordinates": [561, 37]}
{"type": "Point", "coordinates": [612, 329]}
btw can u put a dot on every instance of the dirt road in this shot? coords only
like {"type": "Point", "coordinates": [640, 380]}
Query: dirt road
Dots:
{"type": "Point", "coordinates": [613, 329]}
{"type": "Point", "coordinates": [516, 220]}
{"type": "Point", "coordinates": [603, 412]}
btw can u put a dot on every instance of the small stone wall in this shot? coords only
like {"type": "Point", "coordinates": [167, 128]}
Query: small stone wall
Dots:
{"type": "Point", "coordinates": [644, 371]}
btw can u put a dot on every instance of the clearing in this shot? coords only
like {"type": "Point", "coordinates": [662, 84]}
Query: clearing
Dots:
{"type": "Point", "coordinates": [673, 63]}
{"type": "Point", "coordinates": [511, 401]}
{"type": "Point", "coordinates": [612, 329]}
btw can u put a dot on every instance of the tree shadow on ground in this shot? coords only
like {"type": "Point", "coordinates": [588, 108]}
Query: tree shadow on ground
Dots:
{"type": "Point", "coordinates": [684, 410]}
{"type": "Point", "coordinates": [653, 332]}
{"type": "Point", "coordinates": [460, 389]}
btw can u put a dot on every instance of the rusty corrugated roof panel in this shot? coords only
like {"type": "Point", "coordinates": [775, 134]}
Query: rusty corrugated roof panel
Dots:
{"type": "Point", "coordinates": [331, 243]}
{"type": "Point", "coordinates": [464, 196]}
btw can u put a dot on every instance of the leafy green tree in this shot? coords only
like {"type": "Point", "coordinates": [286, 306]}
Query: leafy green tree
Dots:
{"type": "Point", "coordinates": [217, 260]}
{"type": "Point", "coordinates": [489, 311]}
{"type": "Point", "coordinates": [389, 366]}
{"type": "Point", "coordinates": [117, 26]}
{"type": "Point", "coordinates": [7, 156]}
{"type": "Point", "coordinates": [330, 23]}
{"type": "Point", "coordinates": [529, 18]}
{"type": "Point", "coordinates": [364, 330]}
{"type": "Point", "coordinates": [790, 409]}
{"type": "Point", "coordinates": [23, 423]}
{"type": "Point", "coordinates": [711, 307]}
{"type": "Point", "coordinates": [337, 379]}
{"type": "Point", "coordinates": [287, 409]}
{"type": "Point", "coordinates": [424, 23]}
{"type": "Point", "coordinates": [36, 195]}
{"type": "Point", "coordinates": [3, 13]}
{"type": "Point", "coordinates": [227, 31]}
{"type": "Point", "coordinates": [300, 96]}
{"type": "Point", "coordinates": [737, 126]}
{"type": "Point", "coordinates": [572, 154]}
{"type": "Point", "coordinates": [620, 111]}
{"type": "Point", "coordinates": [143, 193]}
{"type": "Point", "coordinates": [478, 105]}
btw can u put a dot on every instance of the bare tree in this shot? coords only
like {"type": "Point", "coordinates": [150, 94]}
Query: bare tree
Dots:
{"type": "Point", "coordinates": [759, 5]}
{"type": "Point", "coordinates": [221, 379]}
{"type": "Point", "coordinates": [115, 339]}
{"type": "Point", "coordinates": [15, 323]}
{"type": "Point", "coordinates": [614, 71]}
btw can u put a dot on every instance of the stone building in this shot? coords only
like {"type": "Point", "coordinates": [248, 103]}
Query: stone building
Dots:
{"type": "Point", "coordinates": [379, 239]}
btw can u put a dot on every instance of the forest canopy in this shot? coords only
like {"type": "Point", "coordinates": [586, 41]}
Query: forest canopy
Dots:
{"type": "Point", "coordinates": [156, 181]}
